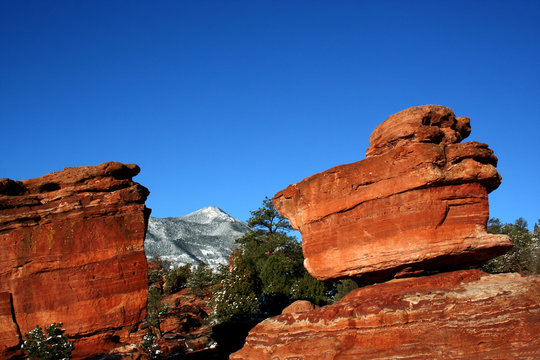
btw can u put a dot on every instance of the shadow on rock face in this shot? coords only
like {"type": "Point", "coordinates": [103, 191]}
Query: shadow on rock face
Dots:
{"type": "Point", "coordinates": [230, 337]}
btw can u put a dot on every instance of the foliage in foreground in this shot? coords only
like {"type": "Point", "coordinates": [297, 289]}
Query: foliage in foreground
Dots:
{"type": "Point", "coordinates": [164, 281]}
{"type": "Point", "coordinates": [524, 257]}
{"type": "Point", "coordinates": [156, 310]}
{"type": "Point", "coordinates": [150, 347]}
{"type": "Point", "coordinates": [266, 272]}
{"type": "Point", "coordinates": [201, 280]}
{"type": "Point", "coordinates": [53, 345]}
{"type": "Point", "coordinates": [176, 279]}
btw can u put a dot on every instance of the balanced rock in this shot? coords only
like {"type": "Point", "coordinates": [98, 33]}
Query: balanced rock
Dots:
{"type": "Point", "coordinates": [419, 201]}
{"type": "Point", "coordinates": [465, 314]}
{"type": "Point", "coordinates": [72, 252]}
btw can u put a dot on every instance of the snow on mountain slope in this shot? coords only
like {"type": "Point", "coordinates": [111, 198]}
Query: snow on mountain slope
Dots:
{"type": "Point", "coordinates": [206, 235]}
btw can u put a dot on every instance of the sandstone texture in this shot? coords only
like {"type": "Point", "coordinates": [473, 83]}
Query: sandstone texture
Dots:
{"type": "Point", "coordinates": [299, 306]}
{"type": "Point", "coordinates": [416, 205]}
{"type": "Point", "coordinates": [9, 333]}
{"type": "Point", "coordinates": [72, 251]}
{"type": "Point", "coordinates": [419, 201]}
{"type": "Point", "coordinates": [458, 315]}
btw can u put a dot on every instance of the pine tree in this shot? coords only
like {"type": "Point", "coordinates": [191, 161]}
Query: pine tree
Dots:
{"type": "Point", "coordinates": [177, 279]}
{"type": "Point", "coordinates": [524, 257]}
{"type": "Point", "coordinates": [156, 310]}
{"type": "Point", "coordinates": [311, 289]}
{"type": "Point", "coordinates": [266, 272]}
{"type": "Point", "coordinates": [200, 280]}
{"type": "Point", "coordinates": [52, 346]}
{"type": "Point", "coordinates": [268, 219]}
{"type": "Point", "coordinates": [237, 295]}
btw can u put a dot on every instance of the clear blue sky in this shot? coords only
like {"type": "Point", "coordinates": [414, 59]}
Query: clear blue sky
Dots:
{"type": "Point", "coordinates": [225, 102]}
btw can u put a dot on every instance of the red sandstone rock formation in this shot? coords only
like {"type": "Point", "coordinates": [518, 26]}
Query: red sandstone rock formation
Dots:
{"type": "Point", "coordinates": [418, 201]}
{"type": "Point", "coordinates": [460, 315]}
{"type": "Point", "coordinates": [72, 251]}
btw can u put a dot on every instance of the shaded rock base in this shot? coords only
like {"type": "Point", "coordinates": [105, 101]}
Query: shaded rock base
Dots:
{"type": "Point", "coordinates": [459, 315]}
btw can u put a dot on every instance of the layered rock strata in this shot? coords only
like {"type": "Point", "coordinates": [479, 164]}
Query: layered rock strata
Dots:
{"type": "Point", "coordinates": [459, 315]}
{"type": "Point", "coordinates": [419, 201]}
{"type": "Point", "coordinates": [72, 251]}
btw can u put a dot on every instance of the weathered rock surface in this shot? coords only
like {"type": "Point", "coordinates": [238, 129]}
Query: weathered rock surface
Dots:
{"type": "Point", "coordinates": [9, 333]}
{"type": "Point", "coordinates": [419, 201]}
{"type": "Point", "coordinates": [299, 306]}
{"type": "Point", "coordinates": [72, 251]}
{"type": "Point", "coordinates": [459, 315]}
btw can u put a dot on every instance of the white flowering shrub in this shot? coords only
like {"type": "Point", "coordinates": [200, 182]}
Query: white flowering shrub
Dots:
{"type": "Point", "coordinates": [151, 347]}
{"type": "Point", "coordinates": [51, 345]}
{"type": "Point", "coordinates": [236, 297]}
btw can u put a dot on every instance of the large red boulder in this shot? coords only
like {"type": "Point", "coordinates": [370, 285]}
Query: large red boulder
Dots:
{"type": "Point", "coordinates": [419, 201]}
{"type": "Point", "coordinates": [72, 252]}
{"type": "Point", "coordinates": [459, 315]}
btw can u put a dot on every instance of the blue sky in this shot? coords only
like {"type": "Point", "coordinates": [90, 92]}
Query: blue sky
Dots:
{"type": "Point", "coordinates": [225, 102]}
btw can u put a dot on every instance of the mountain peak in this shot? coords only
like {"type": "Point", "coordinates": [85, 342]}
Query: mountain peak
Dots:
{"type": "Point", "coordinates": [208, 214]}
{"type": "Point", "coordinates": [211, 210]}
{"type": "Point", "coordinates": [207, 234]}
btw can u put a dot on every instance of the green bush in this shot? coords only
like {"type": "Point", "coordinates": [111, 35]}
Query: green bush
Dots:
{"type": "Point", "coordinates": [524, 257]}
{"type": "Point", "coordinates": [266, 271]}
{"type": "Point", "coordinates": [311, 289]}
{"type": "Point", "coordinates": [177, 279]}
{"type": "Point", "coordinates": [202, 277]}
{"type": "Point", "coordinates": [52, 346]}
{"type": "Point", "coordinates": [156, 310]}
{"type": "Point", "coordinates": [343, 288]}
{"type": "Point", "coordinates": [236, 297]}
{"type": "Point", "coordinates": [150, 347]}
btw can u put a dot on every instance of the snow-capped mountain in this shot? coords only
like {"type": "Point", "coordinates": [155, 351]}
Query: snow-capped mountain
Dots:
{"type": "Point", "coordinates": [205, 235]}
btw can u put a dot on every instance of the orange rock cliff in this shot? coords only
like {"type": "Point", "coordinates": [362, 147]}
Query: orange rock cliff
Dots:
{"type": "Point", "coordinates": [416, 205]}
{"type": "Point", "coordinates": [419, 201]}
{"type": "Point", "coordinates": [72, 251]}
